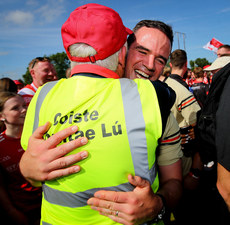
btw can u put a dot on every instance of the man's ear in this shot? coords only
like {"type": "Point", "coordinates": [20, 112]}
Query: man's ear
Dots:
{"type": "Point", "coordinates": [122, 56]}
{"type": "Point", "coordinates": [170, 64]}
{"type": "Point", "coordinates": [32, 73]}
{"type": "Point", "coordinates": [2, 118]}
{"type": "Point", "coordinates": [121, 62]}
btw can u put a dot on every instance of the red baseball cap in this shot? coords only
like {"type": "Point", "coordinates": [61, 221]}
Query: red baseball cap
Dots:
{"type": "Point", "coordinates": [205, 67]}
{"type": "Point", "coordinates": [17, 82]}
{"type": "Point", "coordinates": [98, 26]}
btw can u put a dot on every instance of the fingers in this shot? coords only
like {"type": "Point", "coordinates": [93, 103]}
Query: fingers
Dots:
{"type": "Point", "coordinates": [63, 162]}
{"type": "Point", "coordinates": [118, 212]}
{"type": "Point", "coordinates": [40, 131]}
{"type": "Point", "coordinates": [120, 197]}
{"type": "Point", "coordinates": [63, 172]}
{"type": "Point", "coordinates": [68, 147]}
{"type": "Point", "coordinates": [62, 166]}
{"type": "Point", "coordinates": [55, 139]}
{"type": "Point", "coordinates": [118, 219]}
{"type": "Point", "coordinates": [138, 181]}
{"type": "Point", "coordinates": [59, 160]}
{"type": "Point", "coordinates": [113, 196]}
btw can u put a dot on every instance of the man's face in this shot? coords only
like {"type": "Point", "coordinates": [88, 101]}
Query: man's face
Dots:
{"type": "Point", "coordinates": [148, 54]}
{"type": "Point", "coordinates": [43, 72]}
{"type": "Point", "coordinates": [222, 51]}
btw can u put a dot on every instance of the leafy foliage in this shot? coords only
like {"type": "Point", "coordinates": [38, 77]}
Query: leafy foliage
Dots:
{"type": "Point", "coordinates": [27, 79]}
{"type": "Point", "coordinates": [61, 63]}
{"type": "Point", "coordinates": [201, 62]}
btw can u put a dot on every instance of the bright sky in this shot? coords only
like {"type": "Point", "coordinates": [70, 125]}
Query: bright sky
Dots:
{"type": "Point", "coordinates": [31, 28]}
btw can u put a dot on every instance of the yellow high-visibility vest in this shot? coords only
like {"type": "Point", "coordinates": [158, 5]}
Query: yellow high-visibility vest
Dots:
{"type": "Point", "coordinates": [122, 120]}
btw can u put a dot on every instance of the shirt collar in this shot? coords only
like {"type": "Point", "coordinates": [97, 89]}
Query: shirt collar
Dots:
{"type": "Point", "coordinates": [34, 86]}
{"type": "Point", "coordinates": [95, 69]}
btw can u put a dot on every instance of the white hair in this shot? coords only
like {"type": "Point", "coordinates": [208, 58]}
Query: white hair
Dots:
{"type": "Point", "coordinates": [84, 50]}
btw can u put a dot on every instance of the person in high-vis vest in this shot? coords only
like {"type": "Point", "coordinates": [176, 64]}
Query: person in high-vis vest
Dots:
{"type": "Point", "coordinates": [116, 115]}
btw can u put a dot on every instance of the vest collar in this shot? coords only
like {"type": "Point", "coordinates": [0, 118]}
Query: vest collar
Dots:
{"type": "Point", "coordinates": [95, 69]}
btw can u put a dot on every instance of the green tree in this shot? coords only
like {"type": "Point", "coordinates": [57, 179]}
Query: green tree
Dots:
{"type": "Point", "coordinates": [201, 62]}
{"type": "Point", "coordinates": [60, 62]}
{"type": "Point", "coordinates": [192, 64]}
{"type": "Point", "coordinates": [27, 79]}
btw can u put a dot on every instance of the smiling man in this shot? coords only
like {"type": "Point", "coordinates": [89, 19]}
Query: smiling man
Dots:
{"type": "Point", "coordinates": [149, 50]}
{"type": "Point", "coordinates": [146, 59]}
{"type": "Point", "coordinates": [41, 71]}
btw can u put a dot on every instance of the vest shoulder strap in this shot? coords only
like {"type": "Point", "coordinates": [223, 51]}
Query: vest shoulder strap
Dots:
{"type": "Point", "coordinates": [44, 91]}
{"type": "Point", "coordinates": [166, 97]}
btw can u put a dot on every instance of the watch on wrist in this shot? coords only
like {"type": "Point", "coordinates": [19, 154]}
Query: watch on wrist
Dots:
{"type": "Point", "coordinates": [161, 214]}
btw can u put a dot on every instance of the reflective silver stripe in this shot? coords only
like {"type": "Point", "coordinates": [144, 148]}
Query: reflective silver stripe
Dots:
{"type": "Point", "coordinates": [134, 121]}
{"type": "Point", "coordinates": [44, 223]}
{"type": "Point", "coordinates": [135, 126]}
{"type": "Point", "coordinates": [44, 91]}
{"type": "Point", "coordinates": [78, 199]}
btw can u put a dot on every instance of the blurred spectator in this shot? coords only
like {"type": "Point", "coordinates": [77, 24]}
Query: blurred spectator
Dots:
{"type": "Point", "coordinates": [185, 110]}
{"type": "Point", "coordinates": [6, 84]}
{"type": "Point", "coordinates": [219, 63]}
{"type": "Point", "coordinates": [223, 50]}
{"type": "Point", "coordinates": [19, 84]}
{"type": "Point", "coordinates": [178, 64]}
{"type": "Point", "coordinates": [20, 203]}
{"type": "Point", "coordinates": [207, 75]}
{"type": "Point", "coordinates": [42, 71]}
{"type": "Point", "coordinates": [213, 137]}
{"type": "Point", "coordinates": [223, 145]}
{"type": "Point", "coordinates": [200, 89]}
{"type": "Point", "coordinates": [189, 79]}
{"type": "Point", "coordinates": [166, 71]}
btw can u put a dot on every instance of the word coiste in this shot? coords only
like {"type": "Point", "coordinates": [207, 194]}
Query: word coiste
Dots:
{"type": "Point", "coordinates": [77, 118]}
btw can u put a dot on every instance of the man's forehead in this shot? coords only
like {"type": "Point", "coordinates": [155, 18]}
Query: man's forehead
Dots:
{"type": "Point", "coordinates": [148, 31]}
{"type": "Point", "coordinates": [223, 50]}
{"type": "Point", "coordinates": [153, 39]}
{"type": "Point", "coordinates": [44, 64]}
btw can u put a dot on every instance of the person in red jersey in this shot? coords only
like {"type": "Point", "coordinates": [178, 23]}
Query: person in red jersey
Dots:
{"type": "Point", "coordinates": [20, 202]}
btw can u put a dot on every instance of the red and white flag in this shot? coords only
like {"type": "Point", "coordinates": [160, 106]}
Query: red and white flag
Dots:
{"type": "Point", "coordinates": [213, 45]}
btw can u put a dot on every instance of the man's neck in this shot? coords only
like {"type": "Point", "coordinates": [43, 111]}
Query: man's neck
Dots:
{"type": "Point", "coordinates": [179, 72]}
{"type": "Point", "coordinates": [35, 84]}
{"type": "Point", "coordinates": [161, 78]}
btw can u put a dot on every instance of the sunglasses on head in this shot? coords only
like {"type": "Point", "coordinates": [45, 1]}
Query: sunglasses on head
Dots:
{"type": "Point", "coordinates": [39, 59]}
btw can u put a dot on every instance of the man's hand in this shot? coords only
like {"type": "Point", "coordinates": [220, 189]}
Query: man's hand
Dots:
{"type": "Point", "coordinates": [128, 208]}
{"type": "Point", "coordinates": [44, 160]}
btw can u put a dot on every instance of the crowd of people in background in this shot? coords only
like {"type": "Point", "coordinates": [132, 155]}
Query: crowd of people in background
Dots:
{"type": "Point", "coordinates": [205, 196]}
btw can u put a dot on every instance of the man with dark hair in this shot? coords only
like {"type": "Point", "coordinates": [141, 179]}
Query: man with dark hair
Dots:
{"type": "Point", "coordinates": [185, 111]}
{"type": "Point", "coordinates": [149, 49]}
{"type": "Point", "coordinates": [223, 50]}
{"type": "Point", "coordinates": [106, 60]}
{"type": "Point", "coordinates": [149, 58]}
{"type": "Point", "coordinates": [178, 64]}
